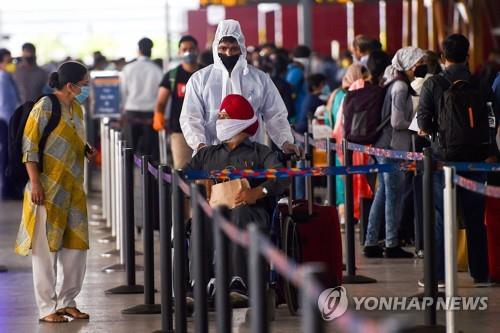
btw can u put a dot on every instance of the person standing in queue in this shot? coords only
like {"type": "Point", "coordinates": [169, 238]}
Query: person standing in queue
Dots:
{"type": "Point", "coordinates": [138, 84]}
{"type": "Point", "coordinates": [30, 78]}
{"type": "Point", "coordinates": [54, 220]}
{"type": "Point", "coordinates": [173, 85]}
{"type": "Point", "coordinates": [230, 74]}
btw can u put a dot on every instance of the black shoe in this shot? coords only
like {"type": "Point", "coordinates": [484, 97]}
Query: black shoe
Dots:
{"type": "Point", "coordinates": [397, 252]}
{"type": "Point", "coordinates": [373, 251]}
{"type": "Point", "coordinates": [238, 293]}
{"type": "Point", "coordinates": [421, 284]}
{"type": "Point", "coordinates": [482, 283]}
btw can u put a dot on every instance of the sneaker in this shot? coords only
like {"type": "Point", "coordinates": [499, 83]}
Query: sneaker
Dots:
{"type": "Point", "coordinates": [420, 254]}
{"type": "Point", "coordinates": [190, 294]}
{"type": "Point", "coordinates": [238, 293]}
{"type": "Point", "coordinates": [482, 283]}
{"type": "Point", "coordinates": [373, 251]}
{"type": "Point", "coordinates": [189, 299]}
{"type": "Point", "coordinates": [211, 294]}
{"type": "Point", "coordinates": [397, 252]}
{"type": "Point", "coordinates": [421, 284]}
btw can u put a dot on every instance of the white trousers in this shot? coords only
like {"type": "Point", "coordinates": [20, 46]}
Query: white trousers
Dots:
{"type": "Point", "coordinates": [71, 265]}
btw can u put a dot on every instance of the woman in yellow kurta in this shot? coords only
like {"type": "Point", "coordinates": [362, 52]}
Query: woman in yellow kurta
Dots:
{"type": "Point", "coordinates": [54, 221]}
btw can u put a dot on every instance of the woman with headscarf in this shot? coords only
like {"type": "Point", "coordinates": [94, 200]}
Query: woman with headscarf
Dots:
{"type": "Point", "coordinates": [395, 135]}
{"type": "Point", "coordinates": [334, 119]}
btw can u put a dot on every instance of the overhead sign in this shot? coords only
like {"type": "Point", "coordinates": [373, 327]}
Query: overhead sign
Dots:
{"type": "Point", "coordinates": [105, 94]}
{"type": "Point", "coordinates": [233, 3]}
{"type": "Point", "coordinates": [226, 3]}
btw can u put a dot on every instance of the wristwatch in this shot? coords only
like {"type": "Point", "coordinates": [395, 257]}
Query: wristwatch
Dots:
{"type": "Point", "coordinates": [265, 191]}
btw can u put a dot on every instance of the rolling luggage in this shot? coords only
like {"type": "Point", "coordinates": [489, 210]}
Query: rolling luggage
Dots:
{"type": "Point", "coordinates": [492, 221]}
{"type": "Point", "coordinates": [311, 233]}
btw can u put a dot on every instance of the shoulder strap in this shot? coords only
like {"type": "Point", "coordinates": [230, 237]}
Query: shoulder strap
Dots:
{"type": "Point", "coordinates": [387, 119]}
{"type": "Point", "coordinates": [54, 119]}
{"type": "Point", "coordinates": [443, 82]}
{"type": "Point", "coordinates": [383, 124]}
{"type": "Point", "coordinates": [172, 75]}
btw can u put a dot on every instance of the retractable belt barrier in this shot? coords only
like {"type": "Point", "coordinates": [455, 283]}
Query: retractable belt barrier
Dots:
{"type": "Point", "coordinates": [486, 190]}
{"type": "Point", "coordinates": [296, 172]}
{"type": "Point", "coordinates": [261, 247]}
{"type": "Point", "coordinates": [300, 275]}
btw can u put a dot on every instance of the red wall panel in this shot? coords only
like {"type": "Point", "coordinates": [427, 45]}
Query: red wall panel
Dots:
{"type": "Point", "coordinates": [329, 23]}
{"type": "Point", "coordinates": [366, 19]}
{"type": "Point", "coordinates": [270, 17]}
{"type": "Point", "coordinates": [247, 16]}
{"type": "Point", "coordinates": [290, 26]}
{"type": "Point", "coordinates": [197, 26]}
{"type": "Point", "coordinates": [394, 14]}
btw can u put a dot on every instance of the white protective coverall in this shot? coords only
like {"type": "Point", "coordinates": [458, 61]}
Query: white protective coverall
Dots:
{"type": "Point", "coordinates": [207, 88]}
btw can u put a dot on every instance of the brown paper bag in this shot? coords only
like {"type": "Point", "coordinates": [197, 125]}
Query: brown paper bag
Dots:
{"type": "Point", "coordinates": [225, 193]}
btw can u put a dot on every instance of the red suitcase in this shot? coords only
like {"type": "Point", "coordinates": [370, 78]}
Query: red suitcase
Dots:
{"type": "Point", "coordinates": [312, 238]}
{"type": "Point", "coordinates": [492, 221]}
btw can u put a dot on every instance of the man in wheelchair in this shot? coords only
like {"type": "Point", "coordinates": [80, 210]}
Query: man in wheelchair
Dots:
{"type": "Point", "coordinates": [236, 123]}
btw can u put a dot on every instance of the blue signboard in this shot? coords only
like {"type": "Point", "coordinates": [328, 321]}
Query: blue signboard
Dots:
{"type": "Point", "coordinates": [105, 94]}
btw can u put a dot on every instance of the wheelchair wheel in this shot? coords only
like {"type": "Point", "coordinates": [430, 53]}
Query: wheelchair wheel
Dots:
{"type": "Point", "coordinates": [291, 248]}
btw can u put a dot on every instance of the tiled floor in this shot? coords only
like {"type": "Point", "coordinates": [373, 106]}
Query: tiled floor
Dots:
{"type": "Point", "coordinates": [18, 312]}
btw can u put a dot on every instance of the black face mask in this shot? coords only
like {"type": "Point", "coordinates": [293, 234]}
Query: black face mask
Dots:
{"type": "Point", "coordinates": [229, 61]}
{"type": "Point", "coordinates": [30, 60]}
{"type": "Point", "coordinates": [421, 71]}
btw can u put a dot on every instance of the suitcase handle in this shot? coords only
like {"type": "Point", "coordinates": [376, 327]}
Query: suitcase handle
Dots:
{"type": "Point", "coordinates": [307, 158]}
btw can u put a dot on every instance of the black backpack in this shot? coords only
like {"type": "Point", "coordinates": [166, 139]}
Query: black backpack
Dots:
{"type": "Point", "coordinates": [362, 114]}
{"type": "Point", "coordinates": [463, 132]}
{"type": "Point", "coordinates": [15, 167]}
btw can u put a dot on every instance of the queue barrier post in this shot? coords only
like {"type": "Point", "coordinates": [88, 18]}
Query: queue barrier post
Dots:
{"type": "Point", "coordinates": [149, 306]}
{"type": "Point", "coordinates": [128, 229]}
{"type": "Point", "coordinates": [309, 195]}
{"type": "Point", "coordinates": [351, 277]}
{"type": "Point", "coordinates": [450, 243]}
{"type": "Point", "coordinates": [199, 261]}
{"type": "Point", "coordinates": [331, 194]}
{"type": "Point", "coordinates": [257, 283]}
{"type": "Point", "coordinates": [222, 304]}
{"type": "Point", "coordinates": [180, 277]}
{"type": "Point", "coordinates": [98, 216]}
{"type": "Point", "coordinates": [111, 187]}
{"type": "Point", "coordinates": [164, 197]}
{"type": "Point", "coordinates": [119, 209]}
{"type": "Point", "coordinates": [105, 214]}
{"type": "Point", "coordinates": [311, 320]}
{"type": "Point", "coordinates": [430, 280]}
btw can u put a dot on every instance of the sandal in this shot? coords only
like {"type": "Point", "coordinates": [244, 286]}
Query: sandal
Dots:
{"type": "Point", "coordinates": [54, 318]}
{"type": "Point", "coordinates": [73, 313]}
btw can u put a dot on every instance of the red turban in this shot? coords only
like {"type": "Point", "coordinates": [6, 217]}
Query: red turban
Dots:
{"type": "Point", "coordinates": [237, 107]}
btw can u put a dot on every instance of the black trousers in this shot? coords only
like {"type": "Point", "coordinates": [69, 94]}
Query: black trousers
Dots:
{"type": "Point", "coordinates": [139, 133]}
{"type": "Point", "coordinates": [471, 205]}
{"type": "Point", "coordinates": [241, 216]}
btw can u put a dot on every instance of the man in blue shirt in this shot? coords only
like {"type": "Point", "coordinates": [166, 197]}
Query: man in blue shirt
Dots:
{"type": "Point", "coordinates": [9, 100]}
{"type": "Point", "coordinates": [296, 75]}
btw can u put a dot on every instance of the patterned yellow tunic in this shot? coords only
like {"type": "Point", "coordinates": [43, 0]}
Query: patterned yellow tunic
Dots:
{"type": "Point", "coordinates": [62, 179]}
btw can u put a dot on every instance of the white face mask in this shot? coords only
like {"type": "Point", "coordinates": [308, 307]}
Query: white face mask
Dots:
{"type": "Point", "coordinates": [228, 128]}
{"type": "Point", "coordinates": [306, 62]}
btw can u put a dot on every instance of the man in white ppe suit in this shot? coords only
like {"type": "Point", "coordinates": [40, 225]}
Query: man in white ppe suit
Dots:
{"type": "Point", "coordinates": [230, 74]}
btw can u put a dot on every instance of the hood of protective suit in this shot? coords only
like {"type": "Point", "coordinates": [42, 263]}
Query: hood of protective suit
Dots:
{"type": "Point", "coordinates": [230, 28]}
